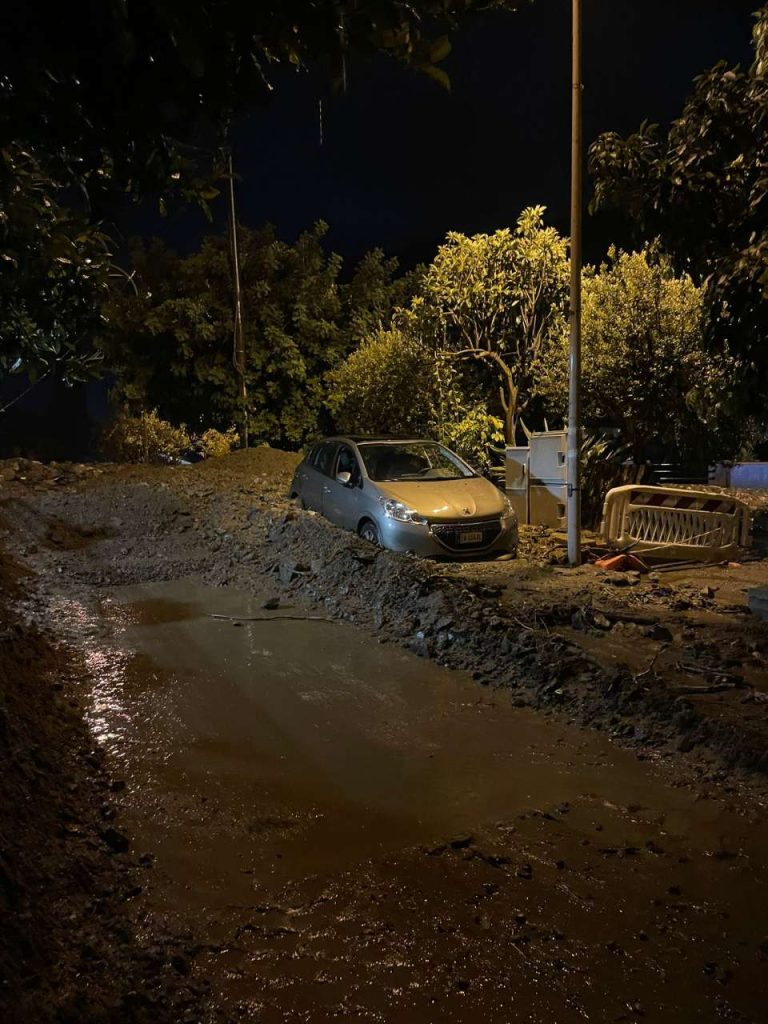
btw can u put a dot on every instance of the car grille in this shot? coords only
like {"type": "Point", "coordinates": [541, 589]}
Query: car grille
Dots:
{"type": "Point", "coordinates": [450, 534]}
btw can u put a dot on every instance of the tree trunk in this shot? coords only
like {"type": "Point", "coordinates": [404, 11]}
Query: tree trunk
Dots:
{"type": "Point", "coordinates": [511, 411]}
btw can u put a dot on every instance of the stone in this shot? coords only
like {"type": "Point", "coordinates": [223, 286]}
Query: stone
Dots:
{"type": "Point", "coordinates": [116, 841]}
{"type": "Point", "coordinates": [461, 842]}
{"type": "Point", "coordinates": [657, 632]}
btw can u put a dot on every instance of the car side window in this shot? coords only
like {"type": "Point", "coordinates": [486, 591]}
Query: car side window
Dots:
{"type": "Point", "coordinates": [347, 463]}
{"type": "Point", "coordinates": [322, 458]}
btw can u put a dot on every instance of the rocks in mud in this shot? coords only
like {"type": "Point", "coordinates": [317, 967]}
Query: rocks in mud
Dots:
{"type": "Point", "coordinates": [38, 474]}
{"type": "Point", "coordinates": [364, 557]}
{"type": "Point", "coordinates": [585, 620]}
{"type": "Point", "coordinates": [618, 579]}
{"type": "Point", "coordinates": [117, 841]}
{"type": "Point", "coordinates": [286, 571]}
{"type": "Point", "coordinates": [420, 645]}
{"type": "Point", "coordinates": [658, 632]}
{"type": "Point", "coordinates": [461, 842]}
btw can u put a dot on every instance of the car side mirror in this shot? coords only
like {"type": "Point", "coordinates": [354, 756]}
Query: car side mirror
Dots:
{"type": "Point", "coordinates": [344, 478]}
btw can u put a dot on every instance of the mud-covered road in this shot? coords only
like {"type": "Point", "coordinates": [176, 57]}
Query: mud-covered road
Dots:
{"type": "Point", "coordinates": [344, 785]}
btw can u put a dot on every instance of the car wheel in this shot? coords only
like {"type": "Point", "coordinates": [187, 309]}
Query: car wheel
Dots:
{"type": "Point", "coordinates": [369, 531]}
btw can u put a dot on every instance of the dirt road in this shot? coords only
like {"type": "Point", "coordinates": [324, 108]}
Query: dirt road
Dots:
{"type": "Point", "coordinates": [314, 820]}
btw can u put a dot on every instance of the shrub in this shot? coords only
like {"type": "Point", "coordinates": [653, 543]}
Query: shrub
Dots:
{"type": "Point", "coordinates": [143, 438]}
{"type": "Point", "coordinates": [215, 443]}
{"type": "Point", "coordinates": [601, 469]}
{"type": "Point", "coordinates": [473, 436]}
{"type": "Point", "coordinates": [385, 386]}
{"type": "Point", "coordinates": [394, 383]}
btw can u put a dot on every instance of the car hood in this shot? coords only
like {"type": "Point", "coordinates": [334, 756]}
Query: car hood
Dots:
{"type": "Point", "coordinates": [446, 499]}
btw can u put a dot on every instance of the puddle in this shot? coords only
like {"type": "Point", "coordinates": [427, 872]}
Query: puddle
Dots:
{"type": "Point", "coordinates": [299, 784]}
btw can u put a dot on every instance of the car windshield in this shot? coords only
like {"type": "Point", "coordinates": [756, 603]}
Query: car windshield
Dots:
{"type": "Point", "coordinates": [412, 460]}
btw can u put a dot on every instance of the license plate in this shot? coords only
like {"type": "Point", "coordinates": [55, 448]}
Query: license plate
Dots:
{"type": "Point", "coordinates": [471, 537]}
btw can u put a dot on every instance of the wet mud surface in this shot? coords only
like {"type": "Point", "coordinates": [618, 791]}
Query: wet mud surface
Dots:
{"type": "Point", "coordinates": [317, 825]}
{"type": "Point", "coordinates": [352, 833]}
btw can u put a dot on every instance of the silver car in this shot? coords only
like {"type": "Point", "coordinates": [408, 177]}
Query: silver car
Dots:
{"type": "Point", "coordinates": [406, 495]}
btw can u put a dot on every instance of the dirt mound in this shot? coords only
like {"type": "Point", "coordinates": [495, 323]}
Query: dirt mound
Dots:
{"type": "Point", "coordinates": [462, 624]}
{"type": "Point", "coordinates": [261, 461]}
{"type": "Point", "coordinates": [45, 474]}
{"type": "Point", "coordinates": [530, 630]}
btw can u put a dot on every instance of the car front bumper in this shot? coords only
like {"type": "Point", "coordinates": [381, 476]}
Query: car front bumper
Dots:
{"type": "Point", "coordinates": [439, 540]}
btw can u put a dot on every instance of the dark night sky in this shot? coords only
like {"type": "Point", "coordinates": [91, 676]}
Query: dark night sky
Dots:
{"type": "Point", "coordinates": [403, 161]}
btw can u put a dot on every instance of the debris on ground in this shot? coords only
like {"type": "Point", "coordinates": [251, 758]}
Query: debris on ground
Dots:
{"type": "Point", "coordinates": [669, 663]}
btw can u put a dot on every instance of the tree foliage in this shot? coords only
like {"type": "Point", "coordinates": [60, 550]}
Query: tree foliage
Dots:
{"type": "Point", "coordinates": [213, 444]}
{"type": "Point", "coordinates": [386, 385]}
{"type": "Point", "coordinates": [54, 268]}
{"type": "Point", "coordinates": [143, 438]}
{"type": "Point", "coordinates": [117, 92]}
{"type": "Point", "coordinates": [645, 368]}
{"type": "Point", "coordinates": [500, 299]}
{"type": "Point", "coordinates": [396, 383]}
{"type": "Point", "coordinates": [170, 342]}
{"type": "Point", "coordinates": [107, 102]}
{"type": "Point", "coordinates": [702, 187]}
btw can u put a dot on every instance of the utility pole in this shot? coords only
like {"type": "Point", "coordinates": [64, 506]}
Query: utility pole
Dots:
{"type": "Point", "coordinates": [238, 348]}
{"type": "Point", "coordinates": [573, 472]}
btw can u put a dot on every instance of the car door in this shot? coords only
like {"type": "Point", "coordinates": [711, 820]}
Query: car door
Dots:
{"type": "Point", "coordinates": [317, 473]}
{"type": "Point", "coordinates": [341, 502]}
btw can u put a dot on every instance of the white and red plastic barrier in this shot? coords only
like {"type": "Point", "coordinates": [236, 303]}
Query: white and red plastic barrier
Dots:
{"type": "Point", "coordinates": [672, 522]}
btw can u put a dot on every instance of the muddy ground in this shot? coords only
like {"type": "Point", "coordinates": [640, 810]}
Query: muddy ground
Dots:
{"type": "Point", "coordinates": [561, 901]}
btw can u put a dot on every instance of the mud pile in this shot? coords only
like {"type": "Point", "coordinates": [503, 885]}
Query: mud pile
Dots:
{"type": "Point", "coordinates": [45, 474]}
{"type": "Point", "coordinates": [229, 521]}
{"type": "Point", "coordinates": [462, 624]}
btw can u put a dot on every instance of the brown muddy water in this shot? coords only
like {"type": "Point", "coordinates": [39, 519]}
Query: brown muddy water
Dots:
{"type": "Point", "coordinates": [348, 832]}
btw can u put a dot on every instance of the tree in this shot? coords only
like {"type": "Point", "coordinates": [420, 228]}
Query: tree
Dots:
{"type": "Point", "coordinates": [54, 269]}
{"type": "Point", "coordinates": [116, 95]}
{"type": "Point", "coordinates": [500, 300]}
{"type": "Point", "coordinates": [170, 342]}
{"type": "Point", "coordinates": [645, 368]}
{"type": "Point", "coordinates": [386, 385]}
{"type": "Point", "coordinates": [374, 290]}
{"type": "Point", "coordinates": [117, 102]}
{"type": "Point", "coordinates": [395, 383]}
{"type": "Point", "coordinates": [701, 186]}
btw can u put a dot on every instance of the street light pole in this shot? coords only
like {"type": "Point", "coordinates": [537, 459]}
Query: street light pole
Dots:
{"type": "Point", "coordinates": [238, 349]}
{"type": "Point", "coordinates": [574, 316]}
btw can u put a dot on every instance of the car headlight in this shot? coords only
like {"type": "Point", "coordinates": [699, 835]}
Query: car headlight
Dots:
{"type": "Point", "coordinates": [508, 508]}
{"type": "Point", "coordinates": [397, 510]}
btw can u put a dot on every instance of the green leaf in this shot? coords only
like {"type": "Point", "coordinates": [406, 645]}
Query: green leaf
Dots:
{"type": "Point", "coordinates": [440, 49]}
{"type": "Point", "coordinates": [436, 74]}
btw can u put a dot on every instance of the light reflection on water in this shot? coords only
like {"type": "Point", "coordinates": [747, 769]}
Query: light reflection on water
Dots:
{"type": "Point", "coordinates": [116, 692]}
{"type": "Point", "coordinates": [107, 710]}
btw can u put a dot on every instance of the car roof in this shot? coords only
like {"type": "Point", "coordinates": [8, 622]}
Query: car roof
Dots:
{"type": "Point", "coordinates": [379, 438]}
